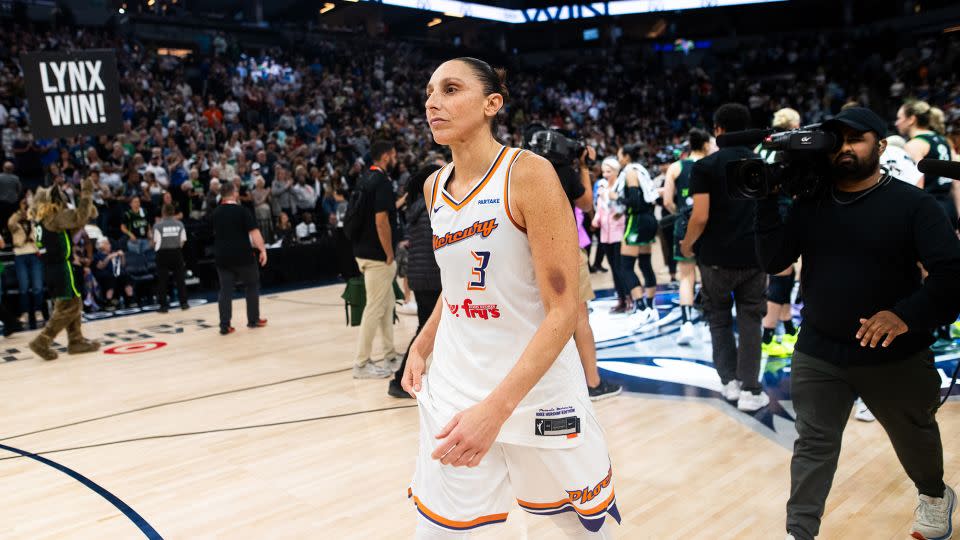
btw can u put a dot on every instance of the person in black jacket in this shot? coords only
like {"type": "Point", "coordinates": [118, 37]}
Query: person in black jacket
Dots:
{"type": "Point", "coordinates": [423, 273]}
{"type": "Point", "coordinates": [867, 319]}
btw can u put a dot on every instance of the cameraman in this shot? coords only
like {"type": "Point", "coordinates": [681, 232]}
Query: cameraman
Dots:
{"type": "Point", "coordinates": [578, 187]}
{"type": "Point", "coordinates": [720, 229]}
{"type": "Point", "coordinates": [866, 320]}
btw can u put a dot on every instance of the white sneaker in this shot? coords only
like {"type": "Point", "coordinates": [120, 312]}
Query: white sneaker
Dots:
{"type": "Point", "coordinates": [705, 333]}
{"type": "Point", "coordinates": [686, 333]}
{"type": "Point", "coordinates": [863, 413]}
{"type": "Point", "coordinates": [790, 537]}
{"type": "Point", "coordinates": [647, 319]}
{"type": "Point", "coordinates": [750, 402]}
{"type": "Point", "coordinates": [369, 370]}
{"type": "Point", "coordinates": [392, 364]}
{"type": "Point", "coordinates": [408, 308]}
{"type": "Point", "coordinates": [933, 519]}
{"type": "Point", "coordinates": [731, 390]}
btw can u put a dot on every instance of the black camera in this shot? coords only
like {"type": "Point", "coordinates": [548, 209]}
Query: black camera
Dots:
{"type": "Point", "coordinates": [557, 148]}
{"type": "Point", "coordinates": [799, 167]}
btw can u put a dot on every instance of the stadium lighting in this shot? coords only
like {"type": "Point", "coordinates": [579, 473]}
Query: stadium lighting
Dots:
{"type": "Point", "coordinates": [434, 22]}
{"type": "Point", "coordinates": [150, 3]}
{"type": "Point", "coordinates": [327, 7]}
{"type": "Point", "coordinates": [122, 11]}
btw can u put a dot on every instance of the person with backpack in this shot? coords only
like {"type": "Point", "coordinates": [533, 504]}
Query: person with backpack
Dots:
{"type": "Point", "coordinates": [371, 224]}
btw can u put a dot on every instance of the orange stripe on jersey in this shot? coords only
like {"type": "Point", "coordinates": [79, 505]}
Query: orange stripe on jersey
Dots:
{"type": "Point", "coordinates": [506, 193]}
{"type": "Point", "coordinates": [436, 183]}
{"type": "Point", "coordinates": [452, 524]}
{"type": "Point", "coordinates": [479, 187]}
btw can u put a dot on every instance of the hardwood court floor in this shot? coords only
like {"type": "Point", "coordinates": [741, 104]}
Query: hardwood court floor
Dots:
{"type": "Point", "coordinates": [683, 468]}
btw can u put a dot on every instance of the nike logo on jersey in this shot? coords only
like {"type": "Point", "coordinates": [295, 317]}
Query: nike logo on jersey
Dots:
{"type": "Point", "coordinates": [437, 209]}
{"type": "Point", "coordinates": [483, 228]}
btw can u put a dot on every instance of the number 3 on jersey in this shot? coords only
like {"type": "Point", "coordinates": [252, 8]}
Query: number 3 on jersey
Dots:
{"type": "Point", "coordinates": [479, 272]}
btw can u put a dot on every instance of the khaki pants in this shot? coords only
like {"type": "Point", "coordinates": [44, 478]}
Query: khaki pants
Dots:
{"type": "Point", "coordinates": [378, 279]}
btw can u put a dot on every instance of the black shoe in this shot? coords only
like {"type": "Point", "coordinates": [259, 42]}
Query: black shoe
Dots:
{"type": "Point", "coordinates": [163, 310]}
{"type": "Point", "coordinates": [604, 390]}
{"type": "Point", "coordinates": [397, 391]}
{"type": "Point", "coordinates": [227, 330]}
{"type": "Point", "coordinates": [184, 307]}
{"type": "Point", "coordinates": [11, 328]}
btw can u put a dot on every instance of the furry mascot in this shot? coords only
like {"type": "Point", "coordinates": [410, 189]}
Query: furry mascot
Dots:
{"type": "Point", "coordinates": [55, 225]}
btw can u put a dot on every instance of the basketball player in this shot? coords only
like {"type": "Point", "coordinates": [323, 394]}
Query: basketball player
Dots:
{"type": "Point", "coordinates": [639, 196]}
{"type": "Point", "coordinates": [898, 162]}
{"type": "Point", "coordinates": [923, 126]}
{"type": "Point", "coordinates": [779, 286]}
{"type": "Point", "coordinates": [504, 412]}
{"type": "Point", "coordinates": [678, 199]}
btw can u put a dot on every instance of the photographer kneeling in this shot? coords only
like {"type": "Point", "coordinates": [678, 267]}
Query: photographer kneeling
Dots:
{"type": "Point", "coordinates": [866, 320]}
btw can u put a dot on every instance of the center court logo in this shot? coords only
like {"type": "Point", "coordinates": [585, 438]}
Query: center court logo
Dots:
{"type": "Point", "coordinates": [474, 311]}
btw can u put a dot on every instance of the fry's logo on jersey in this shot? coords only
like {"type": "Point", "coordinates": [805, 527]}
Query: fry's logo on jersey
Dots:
{"type": "Point", "coordinates": [483, 228]}
{"type": "Point", "coordinates": [474, 311]}
{"type": "Point", "coordinates": [586, 494]}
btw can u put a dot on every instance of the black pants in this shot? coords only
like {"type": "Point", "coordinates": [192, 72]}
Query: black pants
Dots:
{"type": "Point", "coordinates": [666, 247]}
{"type": "Point", "coordinates": [171, 260]}
{"type": "Point", "coordinates": [612, 251]}
{"type": "Point", "coordinates": [249, 275]}
{"type": "Point", "coordinates": [426, 301]}
{"type": "Point", "coordinates": [721, 288]}
{"type": "Point", "coordinates": [902, 395]}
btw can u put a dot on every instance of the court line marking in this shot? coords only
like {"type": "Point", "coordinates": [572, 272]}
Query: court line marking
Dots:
{"type": "Point", "coordinates": [185, 400]}
{"type": "Point", "coordinates": [131, 514]}
{"type": "Point", "coordinates": [208, 431]}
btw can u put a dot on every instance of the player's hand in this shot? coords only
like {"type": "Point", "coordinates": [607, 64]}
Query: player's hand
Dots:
{"type": "Point", "coordinates": [884, 323]}
{"type": "Point", "coordinates": [468, 436]}
{"type": "Point", "coordinates": [412, 380]}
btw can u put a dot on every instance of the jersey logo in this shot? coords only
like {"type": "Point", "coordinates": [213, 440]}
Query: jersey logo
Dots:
{"type": "Point", "coordinates": [488, 201]}
{"type": "Point", "coordinates": [483, 228]}
{"type": "Point", "coordinates": [437, 209]}
{"type": "Point", "coordinates": [588, 494]}
{"type": "Point", "coordinates": [474, 311]}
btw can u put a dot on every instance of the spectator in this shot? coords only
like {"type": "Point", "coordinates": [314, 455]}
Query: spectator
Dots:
{"type": "Point", "coordinates": [10, 191]}
{"type": "Point", "coordinates": [281, 193]}
{"type": "Point", "coordinates": [110, 272]}
{"type": "Point", "coordinates": [136, 226]}
{"type": "Point", "coordinates": [374, 250]}
{"type": "Point", "coordinates": [307, 229]}
{"type": "Point", "coordinates": [235, 231]}
{"type": "Point", "coordinates": [28, 264]}
{"type": "Point", "coordinates": [285, 231]}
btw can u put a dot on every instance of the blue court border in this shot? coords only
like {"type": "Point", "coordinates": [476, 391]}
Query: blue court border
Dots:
{"type": "Point", "coordinates": [131, 514]}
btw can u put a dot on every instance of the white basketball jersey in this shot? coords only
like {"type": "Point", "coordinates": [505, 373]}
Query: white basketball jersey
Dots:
{"type": "Point", "coordinates": [492, 308]}
{"type": "Point", "coordinates": [900, 165]}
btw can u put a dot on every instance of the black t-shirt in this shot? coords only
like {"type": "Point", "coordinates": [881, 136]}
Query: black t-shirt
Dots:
{"type": "Point", "coordinates": [570, 181]}
{"type": "Point", "coordinates": [367, 245]}
{"type": "Point", "coordinates": [728, 240]}
{"type": "Point", "coordinates": [136, 222]}
{"type": "Point", "coordinates": [232, 224]}
{"type": "Point", "coordinates": [860, 253]}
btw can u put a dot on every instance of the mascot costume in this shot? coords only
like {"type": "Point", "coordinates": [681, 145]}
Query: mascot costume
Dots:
{"type": "Point", "coordinates": [54, 232]}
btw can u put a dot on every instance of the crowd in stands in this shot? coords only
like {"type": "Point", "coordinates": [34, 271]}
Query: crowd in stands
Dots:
{"type": "Point", "coordinates": [292, 128]}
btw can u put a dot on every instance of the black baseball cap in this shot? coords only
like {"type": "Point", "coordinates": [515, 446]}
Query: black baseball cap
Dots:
{"type": "Point", "coordinates": [859, 118]}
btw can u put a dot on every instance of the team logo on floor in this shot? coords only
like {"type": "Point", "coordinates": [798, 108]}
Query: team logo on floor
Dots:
{"type": "Point", "coordinates": [646, 359]}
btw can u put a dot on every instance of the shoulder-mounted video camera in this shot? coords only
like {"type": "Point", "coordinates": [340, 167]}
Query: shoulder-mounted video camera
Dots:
{"type": "Point", "coordinates": [553, 145]}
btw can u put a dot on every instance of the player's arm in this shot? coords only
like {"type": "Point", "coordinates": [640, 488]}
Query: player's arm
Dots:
{"type": "Point", "coordinates": [670, 187]}
{"type": "Point", "coordinates": [543, 210]}
{"type": "Point", "coordinates": [916, 149]}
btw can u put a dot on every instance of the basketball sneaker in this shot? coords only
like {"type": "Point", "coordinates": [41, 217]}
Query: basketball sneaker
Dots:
{"type": "Point", "coordinates": [775, 349]}
{"type": "Point", "coordinates": [790, 537]}
{"type": "Point", "coordinates": [750, 402]}
{"type": "Point", "coordinates": [369, 370]}
{"type": "Point", "coordinates": [604, 390]}
{"type": "Point", "coordinates": [933, 519]}
{"type": "Point", "coordinates": [647, 319]}
{"type": "Point", "coordinates": [863, 413]}
{"type": "Point", "coordinates": [407, 308]}
{"type": "Point", "coordinates": [687, 333]}
{"type": "Point", "coordinates": [731, 390]}
{"type": "Point", "coordinates": [790, 339]}
{"type": "Point", "coordinates": [705, 334]}
{"type": "Point", "coordinates": [955, 330]}
{"type": "Point", "coordinates": [393, 364]}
